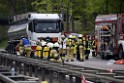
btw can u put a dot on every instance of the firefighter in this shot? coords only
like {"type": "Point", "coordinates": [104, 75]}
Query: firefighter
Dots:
{"type": "Point", "coordinates": [43, 43]}
{"type": "Point", "coordinates": [80, 48]}
{"type": "Point", "coordinates": [70, 49]}
{"type": "Point", "coordinates": [46, 50]}
{"type": "Point", "coordinates": [62, 47]}
{"type": "Point", "coordinates": [54, 56]}
{"type": "Point", "coordinates": [75, 45]}
{"type": "Point", "coordinates": [25, 47]}
{"type": "Point", "coordinates": [38, 52]}
{"type": "Point", "coordinates": [87, 47]}
{"type": "Point", "coordinates": [93, 47]}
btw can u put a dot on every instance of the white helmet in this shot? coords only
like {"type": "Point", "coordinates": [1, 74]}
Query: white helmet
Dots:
{"type": "Point", "coordinates": [44, 43]}
{"type": "Point", "coordinates": [56, 44]}
{"type": "Point", "coordinates": [50, 45]}
{"type": "Point", "coordinates": [80, 35]}
{"type": "Point", "coordinates": [70, 36]}
{"type": "Point", "coordinates": [62, 36]}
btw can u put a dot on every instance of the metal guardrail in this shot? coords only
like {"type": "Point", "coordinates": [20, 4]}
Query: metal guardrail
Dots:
{"type": "Point", "coordinates": [7, 77]}
{"type": "Point", "coordinates": [32, 64]}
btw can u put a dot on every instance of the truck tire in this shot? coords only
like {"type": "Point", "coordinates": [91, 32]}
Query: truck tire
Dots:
{"type": "Point", "coordinates": [120, 53]}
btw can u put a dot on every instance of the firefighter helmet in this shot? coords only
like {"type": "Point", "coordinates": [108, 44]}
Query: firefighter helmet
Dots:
{"type": "Point", "coordinates": [44, 43]}
{"type": "Point", "coordinates": [74, 37]}
{"type": "Point", "coordinates": [62, 36]}
{"type": "Point", "coordinates": [80, 35]}
{"type": "Point", "coordinates": [84, 38]}
{"type": "Point", "coordinates": [50, 45]}
{"type": "Point", "coordinates": [56, 44]}
{"type": "Point", "coordinates": [70, 36]}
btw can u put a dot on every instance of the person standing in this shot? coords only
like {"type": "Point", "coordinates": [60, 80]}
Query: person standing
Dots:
{"type": "Point", "coordinates": [93, 47]}
{"type": "Point", "coordinates": [87, 47]}
{"type": "Point", "coordinates": [25, 46]}
{"type": "Point", "coordinates": [80, 48]}
{"type": "Point", "coordinates": [70, 49]}
{"type": "Point", "coordinates": [62, 47]}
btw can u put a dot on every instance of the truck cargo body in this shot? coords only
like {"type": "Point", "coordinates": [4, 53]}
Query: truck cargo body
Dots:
{"type": "Point", "coordinates": [15, 31]}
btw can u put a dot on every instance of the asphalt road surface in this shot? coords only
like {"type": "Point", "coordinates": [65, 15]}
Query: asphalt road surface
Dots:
{"type": "Point", "coordinates": [97, 62]}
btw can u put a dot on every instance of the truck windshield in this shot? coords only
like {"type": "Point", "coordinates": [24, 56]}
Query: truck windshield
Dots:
{"type": "Point", "coordinates": [47, 26]}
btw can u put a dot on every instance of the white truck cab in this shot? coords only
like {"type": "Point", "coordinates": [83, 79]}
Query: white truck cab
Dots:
{"type": "Point", "coordinates": [36, 25]}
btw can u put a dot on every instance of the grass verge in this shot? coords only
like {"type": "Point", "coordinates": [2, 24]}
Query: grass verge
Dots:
{"type": "Point", "coordinates": [3, 43]}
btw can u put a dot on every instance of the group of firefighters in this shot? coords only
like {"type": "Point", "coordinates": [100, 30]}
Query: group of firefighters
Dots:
{"type": "Point", "coordinates": [66, 49]}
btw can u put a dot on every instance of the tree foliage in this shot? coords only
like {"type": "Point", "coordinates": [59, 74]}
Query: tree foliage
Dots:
{"type": "Point", "coordinates": [84, 11]}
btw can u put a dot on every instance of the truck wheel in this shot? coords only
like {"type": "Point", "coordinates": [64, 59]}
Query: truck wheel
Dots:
{"type": "Point", "coordinates": [120, 53]}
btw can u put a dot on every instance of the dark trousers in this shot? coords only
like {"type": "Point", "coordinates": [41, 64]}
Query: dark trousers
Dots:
{"type": "Point", "coordinates": [78, 55]}
{"type": "Point", "coordinates": [87, 52]}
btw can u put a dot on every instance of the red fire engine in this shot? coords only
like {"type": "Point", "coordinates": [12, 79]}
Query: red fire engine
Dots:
{"type": "Point", "coordinates": [109, 34]}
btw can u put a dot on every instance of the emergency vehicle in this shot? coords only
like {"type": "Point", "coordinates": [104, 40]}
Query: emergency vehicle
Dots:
{"type": "Point", "coordinates": [33, 26]}
{"type": "Point", "coordinates": [109, 34]}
